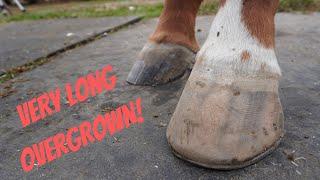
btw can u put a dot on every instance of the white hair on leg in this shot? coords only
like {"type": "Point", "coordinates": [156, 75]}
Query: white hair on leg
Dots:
{"type": "Point", "coordinates": [229, 40]}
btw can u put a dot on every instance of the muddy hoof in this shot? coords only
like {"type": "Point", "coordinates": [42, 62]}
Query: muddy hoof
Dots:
{"type": "Point", "coordinates": [225, 120]}
{"type": "Point", "coordinates": [160, 64]}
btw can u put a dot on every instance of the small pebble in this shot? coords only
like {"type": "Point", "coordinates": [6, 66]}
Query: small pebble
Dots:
{"type": "Point", "coordinates": [162, 124]}
{"type": "Point", "coordinates": [289, 154]}
{"type": "Point", "coordinates": [70, 34]}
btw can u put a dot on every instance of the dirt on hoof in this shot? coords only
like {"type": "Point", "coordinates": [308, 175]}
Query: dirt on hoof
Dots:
{"type": "Point", "coordinates": [236, 120]}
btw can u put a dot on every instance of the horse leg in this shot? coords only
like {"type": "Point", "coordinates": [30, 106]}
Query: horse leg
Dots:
{"type": "Point", "coordinates": [229, 115]}
{"type": "Point", "coordinates": [171, 49]}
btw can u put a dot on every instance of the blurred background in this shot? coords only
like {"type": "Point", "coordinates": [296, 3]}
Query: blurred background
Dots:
{"type": "Point", "coordinates": [57, 9]}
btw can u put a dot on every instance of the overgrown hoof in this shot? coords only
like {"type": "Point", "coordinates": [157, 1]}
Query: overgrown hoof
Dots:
{"type": "Point", "coordinates": [160, 63]}
{"type": "Point", "coordinates": [226, 121]}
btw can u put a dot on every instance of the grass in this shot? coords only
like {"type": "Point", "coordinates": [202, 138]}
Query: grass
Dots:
{"type": "Point", "coordinates": [211, 6]}
{"type": "Point", "coordinates": [130, 7]}
{"type": "Point", "coordinates": [149, 11]}
{"type": "Point", "coordinates": [299, 5]}
{"type": "Point", "coordinates": [86, 9]}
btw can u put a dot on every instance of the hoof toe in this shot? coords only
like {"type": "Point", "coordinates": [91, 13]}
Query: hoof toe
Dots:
{"type": "Point", "coordinates": [160, 63]}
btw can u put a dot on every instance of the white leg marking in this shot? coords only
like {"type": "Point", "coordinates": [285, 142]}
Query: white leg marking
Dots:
{"type": "Point", "coordinates": [227, 42]}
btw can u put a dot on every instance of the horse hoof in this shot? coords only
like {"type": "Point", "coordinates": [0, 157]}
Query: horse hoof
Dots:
{"type": "Point", "coordinates": [160, 63]}
{"type": "Point", "coordinates": [225, 120]}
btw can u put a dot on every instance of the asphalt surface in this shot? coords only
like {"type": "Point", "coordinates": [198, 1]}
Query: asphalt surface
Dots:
{"type": "Point", "coordinates": [23, 42]}
{"type": "Point", "coordinates": [141, 152]}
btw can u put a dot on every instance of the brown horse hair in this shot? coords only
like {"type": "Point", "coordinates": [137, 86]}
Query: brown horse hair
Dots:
{"type": "Point", "coordinates": [177, 23]}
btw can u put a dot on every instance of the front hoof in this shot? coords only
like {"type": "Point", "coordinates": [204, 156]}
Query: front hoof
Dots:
{"type": "Point", "coordinates": [226, 121]}
{"type": "Point", "coordinates": [160, 63]}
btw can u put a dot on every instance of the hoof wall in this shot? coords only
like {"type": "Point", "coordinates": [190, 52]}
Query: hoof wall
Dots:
{"type": "Point", "coordinates": [226, 122]}
{"type": "Point", "coordinates": [160, 64]}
